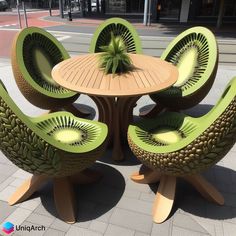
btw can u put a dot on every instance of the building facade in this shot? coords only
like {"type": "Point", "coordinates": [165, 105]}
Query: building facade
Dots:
{"type": "Point", "coordinates": [175, 10]}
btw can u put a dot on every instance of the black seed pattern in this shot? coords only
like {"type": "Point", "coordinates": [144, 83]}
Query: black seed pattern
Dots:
{"type": "Point", "coordinates": [203, 152]}
{"type": "Point", "coordinates": [200, 43]}
{"type": "Point", "coordinates": [104, 37]}
{"type": "Point", "coordinates": [50, 50]}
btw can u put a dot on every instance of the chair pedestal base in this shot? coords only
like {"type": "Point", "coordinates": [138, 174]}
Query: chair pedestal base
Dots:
{"type": "Point", "coordinates": [165, 195]}
{"type": "Point", "coordinates": [152, 112]}
{"type": "Point", "coordinates": [64, 196]}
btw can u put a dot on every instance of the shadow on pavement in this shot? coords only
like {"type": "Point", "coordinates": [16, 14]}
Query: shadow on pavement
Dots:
{"type": "Point", "coordinates": [93, 200]}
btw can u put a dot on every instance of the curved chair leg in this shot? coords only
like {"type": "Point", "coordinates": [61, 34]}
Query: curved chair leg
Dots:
{"type": "Point", "coordinates": [206, 189]}
{"type": "Point", "coordinates": [30, 186]}
{"type": "Point", "coordinates": [154, 110]}
{"type": "Point", "coordinates": [87, 176]}
{"type": "Point", "coordinates": [79, 112]}
{"type": "Point", "coordinates": [164, 198]}
{"type": "Point", "coordinates": [146, 176]}
{"type": "Point", "coordinates": [64, 198]}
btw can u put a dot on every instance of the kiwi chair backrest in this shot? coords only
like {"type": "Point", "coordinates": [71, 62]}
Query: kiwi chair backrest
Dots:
{"type": "Point", "coordinates": [34, 53]}
{"type": "Point", "coordinates": [119, 27]}
{"type": "Point", "coordinates": [195, 53]}
{"type": "Point", "coordinates": [19, 140]}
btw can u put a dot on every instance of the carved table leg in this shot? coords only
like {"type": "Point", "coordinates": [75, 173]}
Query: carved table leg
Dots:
{"type": "Point", "coordinates": [117, 114]}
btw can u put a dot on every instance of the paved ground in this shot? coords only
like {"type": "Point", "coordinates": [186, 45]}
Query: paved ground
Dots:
{"type": "Point", "coordinates": [116, 206]}
{"type": "Point", "coordinates": [77, 34]}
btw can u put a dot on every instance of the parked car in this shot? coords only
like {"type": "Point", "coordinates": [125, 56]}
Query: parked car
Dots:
{"type": "Point", "coordinates": [3, 5]}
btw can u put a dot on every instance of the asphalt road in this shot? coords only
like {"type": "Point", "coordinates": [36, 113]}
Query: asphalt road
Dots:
{"type": "Point", "coordinates": [76, 38]}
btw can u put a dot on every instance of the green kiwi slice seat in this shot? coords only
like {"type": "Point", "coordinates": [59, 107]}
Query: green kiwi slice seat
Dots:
{"type": "Point", "coordinates": [195, 53]}
{"type": "Point", "coordinates": [119, 27]}
{"type": "Point", "coordinates": [177, 145]}
{"type": "Point", "coordinates": [34, 53]}
{"type": "Point", "coordinates": [54, 146]}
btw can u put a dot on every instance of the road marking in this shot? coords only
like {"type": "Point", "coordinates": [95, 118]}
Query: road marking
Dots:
{"type": "Point", "coordinates": [8, 25]}
{"type": "Point", "coordinates": [61, 37]}
{"type": "Point", "coordinates": [232, 41]}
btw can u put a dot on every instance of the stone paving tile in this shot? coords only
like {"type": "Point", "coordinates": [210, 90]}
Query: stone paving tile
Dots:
{"type": "Point", "coordinates": [213, 227]}
{"type": "Point", "coordinates": [98, 226]}
{"type": "Point", "coordinates": [4, 160]}
{"type": "Point", "coordinates": [104, 212]}
{"type": "Point", "coordinates": [131, 220]}
{"type": "Point", "coordinates": [5, 210]}
{"type": "Point", "coordinates": [113, 230]}
{"type": "Point", "coordinates": [60, 225]}
{"type": "Point", "coordinates": [7, 192]}
{"type": "Point", "coordinates": [132, 193]}
{"type": "Point", "coordinates": [43, 211]}
{"type": "Point", "coordinates": [73, 231]}
{"type": "Point", "coordinates": [30, 204]}
{"type": "Point", "coordinates": [17, 182]}
{"type": "Point", "coordinates": [135, 205]}
{"type": "Point", "coordinates": [138, 187]}
{"type": "Point", "coordinates": [229, 229]}
{"type": "Point", "coordinates": [185, 221]}
{"type": "Point", "coordinates": [6, 182]}
{"type": "Point", "coordinates": [21, 174]}
{"type": "Point", "coordinates": [44, 220]}
{"type": "Point", "coordinates": [219, 212]}
{"type": "Point", "coordinates": [53, 232]}
{"type": "Point", "coordinates": [82, 224]}
{"type": "Point", "coordinates": [162, 229]}
{"type": "Point", "coordinates": [149, 197]}
{"type": "Point", "coordinates": [3, 178]}
{"type": "Point", "coordinates": [177, 231]}
{"type": "Point", "coordinates": [141, 234]}
{"type": "Point", "coordinates": [18, 216]}
{"type": "Point", "coordinates": [7, 170]}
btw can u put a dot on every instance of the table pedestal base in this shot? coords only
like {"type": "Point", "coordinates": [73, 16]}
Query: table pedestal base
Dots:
{"type": "Point", "coordinates": [165, 195]}
{"type": "Point", "coordinates": [117, 113]}
{"type": "Point", "coordinates": [64, 196]}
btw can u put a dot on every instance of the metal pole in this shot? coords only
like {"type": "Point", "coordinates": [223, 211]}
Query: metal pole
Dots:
{"type": "Point", "coordinates": [221, 12]}
{"type": "Point", "coordinates": [25, 16]}
{"type": "Point", "coordinates": [50, 7]}
{"type": "Point", "coordinates": [61, 8]}
{"type": "Point", "coordinates": [145, 12]}
{"type": "Point", "coordinates": [149, 12]}
{"type": "Point", "coordinates": [18, 11]}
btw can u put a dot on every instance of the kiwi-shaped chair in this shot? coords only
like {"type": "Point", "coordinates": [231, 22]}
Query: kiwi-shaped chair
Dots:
{"type": "Point", "coordinates": [57, 146]}
{"type": "Point", "coordinates": [195, 53]}
{"type": "Point", "coordinates": [119, 27]}
{"type": "Point", "coordinates": [176, 145]}
{"type": "Point", "coordinates": [34, 53]}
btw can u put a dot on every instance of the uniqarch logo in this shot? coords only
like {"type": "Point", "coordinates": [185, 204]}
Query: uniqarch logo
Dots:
{"type": "Point", "coordinates": [8, 227]}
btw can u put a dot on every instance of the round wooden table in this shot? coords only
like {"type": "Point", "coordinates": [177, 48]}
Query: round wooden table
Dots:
{"type": "Point", "coordinates": [115, 95]}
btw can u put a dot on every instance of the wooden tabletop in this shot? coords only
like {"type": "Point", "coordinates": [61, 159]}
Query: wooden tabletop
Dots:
{"type": "Point", "coordinates": [82, 74]}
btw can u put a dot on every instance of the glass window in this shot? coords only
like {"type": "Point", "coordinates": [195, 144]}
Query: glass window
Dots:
{"type": "Point", "coordinates": [209, 8]}
{"type": "Point", "coordinates": [230, 8]}
{"type": "Point", "coordinates": [169, 9]}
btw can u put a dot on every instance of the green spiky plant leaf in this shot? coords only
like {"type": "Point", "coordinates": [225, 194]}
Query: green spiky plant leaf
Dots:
{"type": "Point", "coordinates": [114, 58]}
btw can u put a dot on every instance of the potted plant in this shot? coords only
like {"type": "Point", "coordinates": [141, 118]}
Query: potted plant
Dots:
{"type": "Point", "coordinates": [114, 58]}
